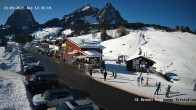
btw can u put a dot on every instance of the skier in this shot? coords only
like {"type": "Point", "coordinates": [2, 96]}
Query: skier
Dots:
{"type": "Point", "coordinates": [115, 75]}
{"type": "Point", "coordinates": [167, 91]}
{"type": "Point", "coordinates": [147, 82]}
{"type": "Point", "coordinates": [142, 79]}
{"type": "Point", "coordinates": [138, 81]}
{"type": "Point", "coordinates": [105, 75]}
{"type": "Point", "coordinates": [158, 88]}
{"type": "Point", "coordinates": [140, 74]}
{"type": "Point", "coordinates": [194, 87]}
{"type": "Point", "coordinates": [102, 70]}
{"type": "Point", "coordinates": [90, 71]}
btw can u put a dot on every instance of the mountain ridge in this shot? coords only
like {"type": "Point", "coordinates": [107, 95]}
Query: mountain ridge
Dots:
{"type": "Point", "coordinates": [91, 15]}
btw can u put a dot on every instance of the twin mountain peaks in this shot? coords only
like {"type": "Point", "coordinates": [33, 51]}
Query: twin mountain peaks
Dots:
{"type": "Point", "coordinates": [87, 14]}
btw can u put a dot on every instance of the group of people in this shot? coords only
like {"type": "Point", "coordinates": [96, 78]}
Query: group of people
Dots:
{"type": "Point", "coordinates": [167, 89]}
{"type": "Point", "coordinates": [141, 79]}
{"type": "Point", "coordinates": [104, 73]}
{"type": "Point", "coordinates": [159, 89]}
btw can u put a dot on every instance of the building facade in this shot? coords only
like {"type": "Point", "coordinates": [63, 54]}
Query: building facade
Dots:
{"type": "Point", "coordinates": [75, 49]}
{"type": "Point", "coordinates": [139, 63]}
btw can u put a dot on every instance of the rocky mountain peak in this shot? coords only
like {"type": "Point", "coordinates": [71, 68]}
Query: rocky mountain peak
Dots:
{"type": "Point", "coordinates": [86, 7]}
{"type": "Point", "coordinates": [91, 15]}
{"type": "Point", "coordinates": [110, 15]}
{"type": "Point", "coordinates": [21, 18]}
{"type": "Point", "coordinates": [85, 14]}
{"type": "Point", "coordinates": [109, 5]}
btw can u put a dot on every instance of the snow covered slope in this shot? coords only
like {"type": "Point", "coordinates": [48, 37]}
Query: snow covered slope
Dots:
{"type": "Point", "coordinates": [172, 51]}
{"type": "Point", "coordinates": [112, 33]}
{"type": "Point", "coordinates": [46, 33]}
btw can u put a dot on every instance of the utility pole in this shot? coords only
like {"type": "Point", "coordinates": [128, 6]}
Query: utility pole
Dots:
{"type": "Point", "coordinates": [54, 47]}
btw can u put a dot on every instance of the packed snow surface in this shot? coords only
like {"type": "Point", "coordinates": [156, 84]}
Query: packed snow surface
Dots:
{"type": "Point", "coordinates": [172, 51]}
{"type": "Point", "coordinates": [10, 60]}
{"type": "Point", "coordinates": [13, 94]}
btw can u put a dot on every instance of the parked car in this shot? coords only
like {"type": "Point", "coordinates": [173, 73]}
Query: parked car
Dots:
{"type": "Point", "coordinates": [23, 51]}
{"type": "Point", "coordinates": [31, 62]}
{"type": "Point", "coordinates": [29, 70]}
{"type": "Point", "coordinates": [29, 65]}
{"type": "Point", "coordinates": [51, 98]}
{"type": "Point", "coordinates": [79, 104]}
{"type": "Point", "coordinates": [41, 81]}
{"type": "Point", "coordinates": [172, 77]}
{"type": "Point", "coordinates": [49, 51]}
{"type": "Point", "coordinates": [27, 57]}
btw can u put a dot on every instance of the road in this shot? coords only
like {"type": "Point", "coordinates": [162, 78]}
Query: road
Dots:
{"type": "Point", "coordinates": [106, 96]}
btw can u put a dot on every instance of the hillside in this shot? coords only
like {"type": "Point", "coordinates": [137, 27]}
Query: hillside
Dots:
{"type": "Point", "coordinates": [46, 33]}
{"type": "Point", "coordinates": [172, 51]}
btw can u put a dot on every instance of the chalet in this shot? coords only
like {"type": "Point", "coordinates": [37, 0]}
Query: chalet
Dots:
{"type": "Point", "coordinates": [44, 45]}
{"type": "Point", "coordinates": [78, 49]}
{"type": "Point", "coordinates": [67, 33]}
{"type": "Point", "coordinates": [139, 63]}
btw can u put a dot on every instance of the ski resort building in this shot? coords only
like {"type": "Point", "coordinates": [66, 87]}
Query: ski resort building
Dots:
{"type": "Point", "coordinates": [139, 63]}
{"type": "Point", "coordinates": [79, 50]}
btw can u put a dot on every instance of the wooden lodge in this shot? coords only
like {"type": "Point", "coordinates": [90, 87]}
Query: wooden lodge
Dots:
{"type": "Point", "coordinates": [139, 63]}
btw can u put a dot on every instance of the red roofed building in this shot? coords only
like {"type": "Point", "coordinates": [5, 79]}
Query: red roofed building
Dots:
{"type": "Point", "coordinates": [76, 49]}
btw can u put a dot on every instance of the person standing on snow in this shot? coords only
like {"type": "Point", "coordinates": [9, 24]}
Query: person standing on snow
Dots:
{"type": "Point", "coordinates": [158, 88]}
{"type": "Point", "coordinates": [140, 74]}
{"type": "Point", "coordinates": [91, 71]}
{"type": "Point", "coordinates": [102, 70]}
{"type": "Point", "coordinates": [147, 82]}
{"type": "Point", "coordinates": [138, 81]}
{"type": "Point", "coordinates": [105, 75]}
{"type": "Point", "coordinates": [142, 80]}
{"type": "Point", "coordinates": [194, 87]}
{"type": "Point", "coordinates": [115, 75]}
{"type": "Point", "coordinates": [167, 91]}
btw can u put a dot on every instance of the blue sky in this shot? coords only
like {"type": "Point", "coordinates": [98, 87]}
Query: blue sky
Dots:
{"type": "Point", "coordinates": [164, 12]}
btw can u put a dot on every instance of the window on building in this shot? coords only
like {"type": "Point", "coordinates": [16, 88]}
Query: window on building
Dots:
{"type": "Point", "coordinates": [69, 46]}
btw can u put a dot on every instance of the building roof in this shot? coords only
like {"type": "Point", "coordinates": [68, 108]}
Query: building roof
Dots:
{"type": "Point", "coordinates": [67, 32]}
{"type": "Point", "coordinates": [85, 42]}
{"type": "Point", "coordinates": [91, 53]}
{"type": "Point", "coordinates": [137, 56]}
